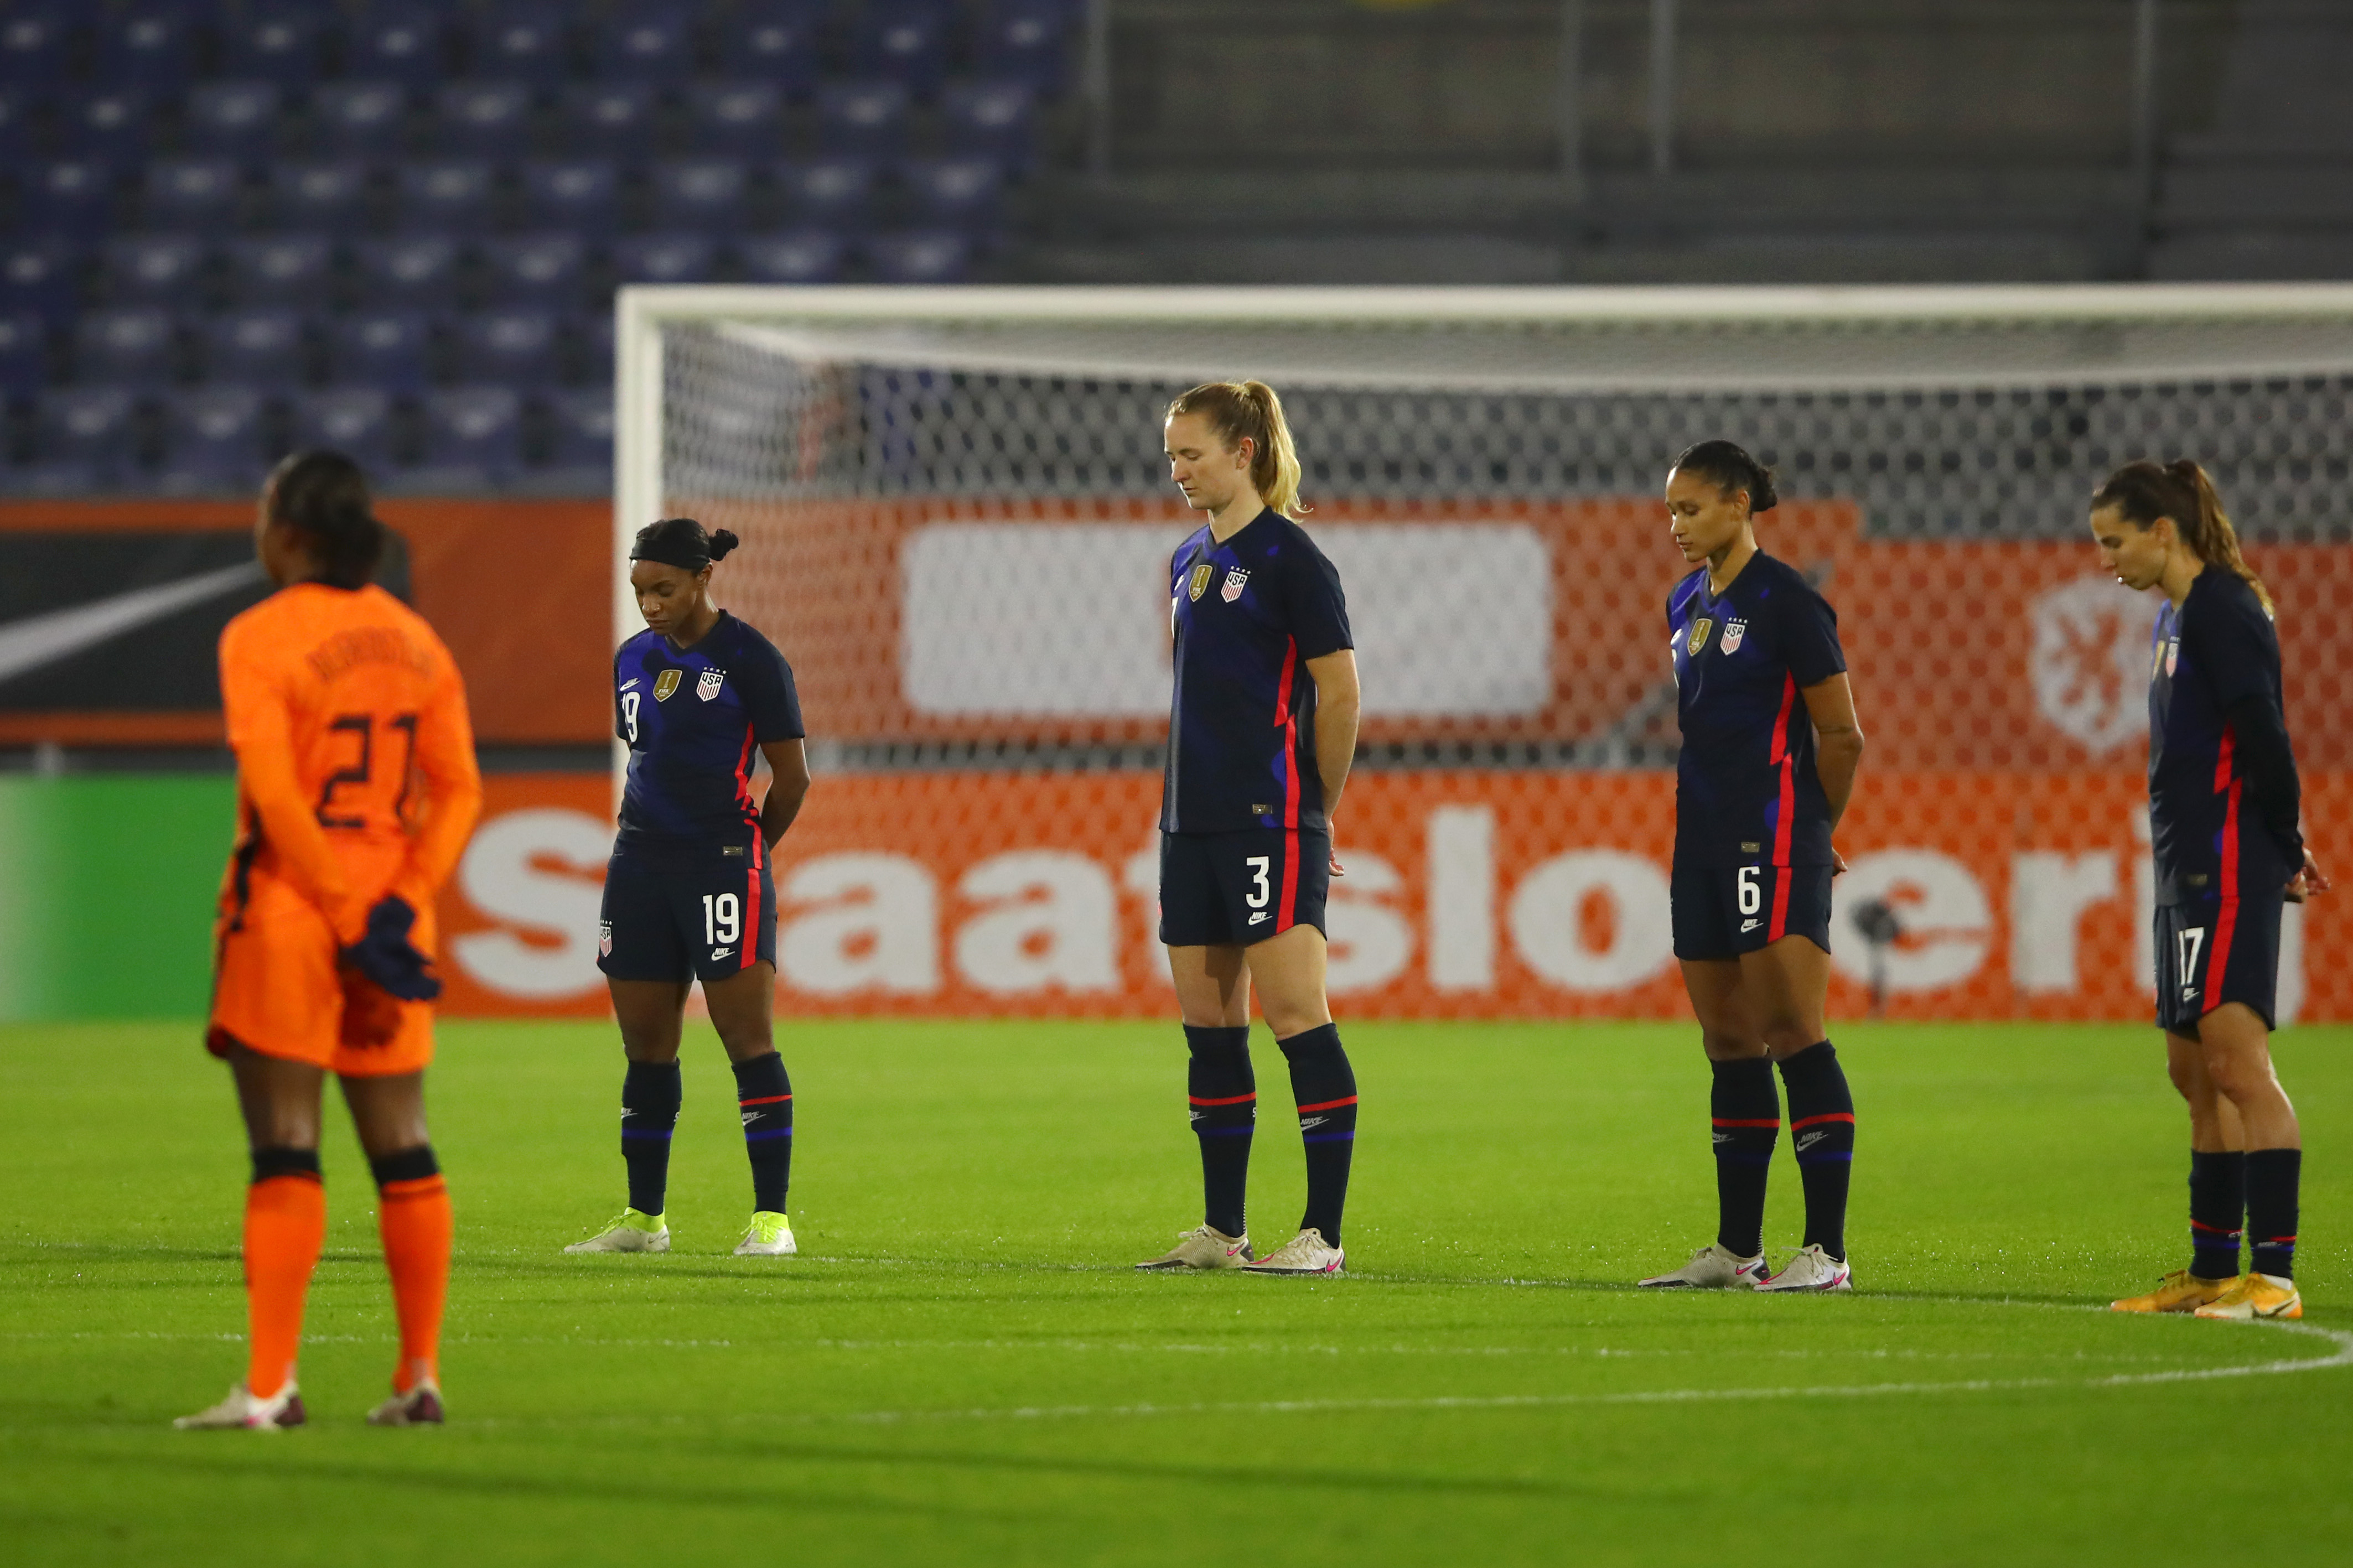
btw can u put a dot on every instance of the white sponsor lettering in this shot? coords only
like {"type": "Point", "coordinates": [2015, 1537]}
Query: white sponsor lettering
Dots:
{"type": "Point", "coordinates": [1053, 921]}
{"type": "Point", "coordinates": [1548, 919]}
{"type": "Point", "coordinates": [1944, 913]}
{"type": "Point", "coordinates": [1371, 941]}
{"type": "Point", "coordinates": [536, 870]}
{"type": "Point", "coordinates": [874, 926]}
{"type": "Point", "coordinates": [2049, 893]}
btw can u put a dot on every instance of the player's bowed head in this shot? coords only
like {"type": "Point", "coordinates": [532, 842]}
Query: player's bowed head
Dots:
{"type": "Point", "coordinates": [1714, 493]}
{"type": "Point", "coordinates": [315, 522]}
{"type": "Point", "coordinates": [669, 572]}
{"type": "Point", "coordinates": [1230, 452]}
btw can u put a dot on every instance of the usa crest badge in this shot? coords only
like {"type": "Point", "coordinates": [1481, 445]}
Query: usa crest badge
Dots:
{"type": "Point", "coordinates": [1198, 583]}
{"type": "Point", "coordinates": [1734, 631]}
{"type": "Point", "coordinates": [1236, 581]}
{"type": "Point", "coordinates": [604, 938]}
{"type": "Point", "coordinates": [1698, 638]}
{"type": "Point", "coordinates": [707, 687]}
{"type": "Point", "coordinates": [665, 683]}
{"type": "Point", "coordinates": [2172, 654]}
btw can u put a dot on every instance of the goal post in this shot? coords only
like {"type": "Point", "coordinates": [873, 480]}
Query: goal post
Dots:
{"type": "Point", "coordinates": [954, 509]}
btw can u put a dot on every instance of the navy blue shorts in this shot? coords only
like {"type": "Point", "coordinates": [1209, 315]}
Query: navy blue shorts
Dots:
{"type": "Point", "coordinates": [1230, 889]}
{"type": "Point", "coordinates": [707, 911]}
{"type": "Point", "coordinates": [2213, 952]}
{"type": "Point", "coordinates": [1723, 911]}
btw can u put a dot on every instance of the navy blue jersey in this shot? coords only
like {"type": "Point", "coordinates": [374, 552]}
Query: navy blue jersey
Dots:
{"type": "Point", "coordinates": [692, 718]}
{"type": "Point", "coordinates": [1249, 615]}
{"type": "Point", "coordinates": [1746, 789]}
{"type": "Point", "coordinates": [2218, 649]}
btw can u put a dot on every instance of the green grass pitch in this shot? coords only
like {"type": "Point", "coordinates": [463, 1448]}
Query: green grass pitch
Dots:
{"type": "Point", "coordinates": [963, 1368]}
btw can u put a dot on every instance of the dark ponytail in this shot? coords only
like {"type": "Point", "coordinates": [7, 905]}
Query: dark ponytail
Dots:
{"type": "Point", "coordinates": [681, 541]}
{"type": "Point", "coordinates": [324, 496]}
{"type": "Point", "coordinates": [2143, 491]}
{"type": "Point", "coordinates": [1730, 467]}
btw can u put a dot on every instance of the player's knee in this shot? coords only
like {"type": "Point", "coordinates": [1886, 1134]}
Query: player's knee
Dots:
{"type": "Point", "coordinates": [1725, 1045]}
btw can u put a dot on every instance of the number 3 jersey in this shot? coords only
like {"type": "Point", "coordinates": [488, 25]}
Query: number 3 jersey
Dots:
{"type": "Point", "coordinates": [693, 719]}
{"type": "Point", "coordinates": [1746, 788]}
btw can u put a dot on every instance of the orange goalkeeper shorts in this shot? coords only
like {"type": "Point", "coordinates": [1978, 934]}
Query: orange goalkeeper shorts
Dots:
{"type": "Point", "coordinates": [278, 990]}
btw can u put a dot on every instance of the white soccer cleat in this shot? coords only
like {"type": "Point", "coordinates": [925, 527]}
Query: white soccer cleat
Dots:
{"type": "Point", "coordinates": [1204, 1247]}
{"type": "Point", "coordinates": [420, 1406]}
{"type": "Point", "coordinates": [1812, 1270]}
{"type": "Point", "coordinates": [242, 1411]}
{"type": "Point", "coordinates": [1306, 1253]}
{"type": "Point", "coordinates": [769, 1235]}
{"type": "Point", "coordinates": [1713, 1269]}
{"type": "Point", "coordinates": [633, 1232]}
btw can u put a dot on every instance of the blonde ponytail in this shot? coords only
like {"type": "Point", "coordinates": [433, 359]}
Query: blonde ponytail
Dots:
{"type": "Point", "coordinates": [1250, 410]}
{"type": "Point", "coordinates": [2214, 540]}
{"type": "Point", "coordinates": [2143, 491]}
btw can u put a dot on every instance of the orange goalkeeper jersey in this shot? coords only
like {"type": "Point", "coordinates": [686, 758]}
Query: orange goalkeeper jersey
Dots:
{"type": "Point", "coordinates": [354, 755]}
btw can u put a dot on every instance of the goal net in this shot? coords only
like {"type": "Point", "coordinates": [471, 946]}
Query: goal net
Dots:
{"type": "Point", "coordinates": [956, 516]}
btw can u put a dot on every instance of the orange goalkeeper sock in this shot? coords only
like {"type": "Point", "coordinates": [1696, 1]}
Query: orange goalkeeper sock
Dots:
{"type": "Point", "coordinates": [413, 1210]}
{"type": "Point", "coordinates": [285, 1226]}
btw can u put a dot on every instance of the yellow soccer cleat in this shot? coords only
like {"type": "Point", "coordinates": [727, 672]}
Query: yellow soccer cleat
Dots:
{"type": "Point", "coordinates": [2182, 1291]}
{"type": "Point", "coordinates": [2255, 1295]}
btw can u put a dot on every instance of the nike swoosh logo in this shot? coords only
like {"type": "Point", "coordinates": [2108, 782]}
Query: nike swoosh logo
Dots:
{"type": "Point", "coordinates": [36, 640]}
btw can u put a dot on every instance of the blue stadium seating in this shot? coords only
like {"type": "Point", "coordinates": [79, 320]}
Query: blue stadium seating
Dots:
{"type": "Point", "coordinates": [864, 119]}
{"type": "Point", "coordinates": [213, 441]}
{"type": "Point", "coordinates": [776, 41]}
{"type": "Point", "coordinates": [158, 269]}
{"type": "Point", "coordinates": [703, 193]}
{"type": "Point", "coordinates": [294, 270]}
{"type": "Point", "coordinates": [23, 354]}
{"type": "Point", "coordinates": [354, 420]}
{"type": "Point", "coordinates": [446, 196]}
{"type": "Point", "coordinates": [390, 349]}
{"type": "Point", "coordinates": [41, 275]}
{"type": "Point", "coordinates": [153, 44]}
{"type": "Point", "coordinates": [577, 195]}
{"type": "Point", "coordinates": [579, 451]}
{"type": "Point", "coordinates": [832, 193]}
{"type": "Point", "coordinates": [320, 197]}
{"type": "Point", "coordinates": [399, 43]}
{"type": "Point", "coordinates": [679, 257]}
{"type": "Point", "coordinates": [474, 430]}
{"type": "Point", "coordinates": [234, 119]}
{"type": "Point", "coordinates": [73, 196]}
{"type": "Point", "coordinates": [905, 40]}
{"type": "Point", "coordinates": [547, 271]}
{"type": "Point", "coordinates": [525, 42]}
{"type": "Point", "coordinates": [114, 123]}
{"type": "Point", "coordinates": [649, 43]}
{"type": "Point", "coordinates": [919, 256]}
{"type": "Point", "coordinates": [1023, 41]}
{"type": "Point", "coordinates": [136, 347]}
{"type": "Point", "coordinates": [32, 45]}
{"type": "Point", "coordinates": [959, 191]}
{"type": "Point", "coordinates": [91, 428]}
{"type": "Point", "coordinates": [20, 109]}
{"type": "Point", "coordinates": [483, 119]}
{"type": "Point", "coordinates": [794, 255]}
{"type": "Point", "coordinates": [268, 346]}
{"type": "Point", "coordinates": [194, 195]}
{"type": "Point", "coordinates": [741, 119]}
{"type": "Point", "coordinates": [514, 347]}
{"type": "Point", "coordinates": [412, 270]}
{"type": "Point", "coordinates": [608, 119]}
{"type": "Point", "coordinates": [991, 119]}
{"type": "Point", "coordinates": [360, 118]}
{"type": "Point", "coordinates": [283, 44]}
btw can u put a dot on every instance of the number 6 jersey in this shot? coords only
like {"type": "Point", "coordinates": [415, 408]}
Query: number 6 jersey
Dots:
{"type": "Point", "coordinates": [692, 719]}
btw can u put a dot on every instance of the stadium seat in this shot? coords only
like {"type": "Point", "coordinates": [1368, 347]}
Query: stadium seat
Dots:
{"type": "Point", "coordinates": [390, 349]}
{"type": "Point", "coordinates": [73, 196]}
{"type": "Point", "coordinates": [920, 256]}
{"type": "Point", "coordinates": [646, 42]}
{"type": "Point", "coordinates": [474, 431]}
{"type": "Point", "coordinates": [446, 197]}
{"type": "Point", "coordinates": [774, 41]}
{"type": "Point", "coordinates": [413, 270]}
{"type": "Point", "coordinates": [739, 119]}
{"type": "Point", "coordinates": [320, 197]}
{"type": "Point", "coordinates": [990, 119]}
{"type": "Point", "coordinates": [483, 119]}
{"type": "Point", "coordinates": [41, 275]}
{"type": "Point", "coordinates": [832, 193]}
{"type": "Point", "coordinates": [523, 42]}
{"type": "Point", "coordinates": [905, 40]}
{"type": "Point", "coordinates": [664, 259]}
{"type": "Point", "coordinates": [360, 118]}
{"type": "Point", "coordinates": [151, 44]}
{"type": "Point", "coordinates": [156, 269]}
{"type": "Point", "coordinates": [292, 269]}
{"type": "Point", "coordinates": [95, 428]}
{"type": "Point", "coordinates": [958, 192]}
{"type": "Point", "coordinates": [125, 348]}
{"type": "Point", "coordinates": [233, 119]}
{"type": "Point", "coordinates": [193, 195]}
{"type": "Point", "coordinates": [23, 354]}
{"type": "Point", "coordinates": [1025, 41]}
{"type": "Point", "coordinates": [114, 123]}
{"type": "Point", "coordinates": [512, 348]}
{"type": "Point", "coordinates": [356, 421]}
{"type": "Point", "coordinates": [867, 118]}
{"type": "Point", "coordinates": [581, 195]}
{"type": "Point", "coordinates": [268, 346]}
{"type": "Point", "coordinates": [213, 441]}
{"type": "Point", "coordinates": [707, 194]}
{"type": "Point", "coordinates": [543, 270]}
{"type": "Point", "coordinates": [608, 119]}
{"type": "Point", "coordinates": [281, 43]}
{"type": "Point", "coordinates": [577, 458]}
{"type": "Point", "coordinates": [32, 45]}
{"type": "Point", "coordinates": [21, 111]}
{"type": "Point", "coordinates": [796, 256]}
{"type": "Point", "coordinates": [398, 43]}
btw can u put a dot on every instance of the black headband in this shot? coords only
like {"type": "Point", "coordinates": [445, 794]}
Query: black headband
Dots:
{"type": "Point", "coordinates": [676, 549]}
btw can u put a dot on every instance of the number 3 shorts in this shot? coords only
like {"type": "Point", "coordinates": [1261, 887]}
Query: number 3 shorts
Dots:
{"type": "Point", "coordinates": [703, 910]}
{"type": "Point", "coordinates": [1229, 889]}
{"type": "Point", "coordinates": [1723, 911]}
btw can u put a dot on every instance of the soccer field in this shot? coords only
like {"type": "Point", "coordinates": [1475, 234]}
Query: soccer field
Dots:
{"type": "Point", "coordinates": [962, 1366]}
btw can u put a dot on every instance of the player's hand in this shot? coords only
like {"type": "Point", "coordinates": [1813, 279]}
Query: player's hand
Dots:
{"type": "Point", "coordinates": [1334, 855]}
{"type": "Point", "coordinates": [385, 955]}
{"type": "Point", "coordinates": [1838, 864]}
{"type": "Point", "coordinates": [2310, 881]}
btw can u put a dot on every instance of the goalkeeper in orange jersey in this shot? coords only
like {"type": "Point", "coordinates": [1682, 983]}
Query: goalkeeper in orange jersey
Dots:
{"type": "Point", "coordinates": [356, 791]}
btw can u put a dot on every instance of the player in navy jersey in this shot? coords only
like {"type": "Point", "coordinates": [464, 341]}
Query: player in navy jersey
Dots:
{"type": "Point", "coordinates": [2224, 808]}
{"type": "Point", "coordinates": [1261, 730]}
{"type": "Point", "coordinates": [700, 698]}
{"type": "Point", "coordinates": [1770, 743]}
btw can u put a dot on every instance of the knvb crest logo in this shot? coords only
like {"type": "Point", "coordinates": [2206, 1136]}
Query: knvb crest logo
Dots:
{"type": "Point", "coordinates": [2090, 637]}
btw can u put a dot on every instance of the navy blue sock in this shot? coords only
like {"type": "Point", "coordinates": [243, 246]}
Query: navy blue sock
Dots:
{"type": "Point", "coordinates": [763, 1098]}
{"type": "Point", "coordinates": [2271, 1178]}
{"type": "Point", "coordinates": [1822, 1129]}
{"type": "Point", "coordinates": [650, 1097]}
{"type": "Point", "coordinates": [2218, 1203]}
{"type": "Point", "coordinates": [1324, 1086]}
{"type": "Point", "coordinates": [1745, 1116]}
{"type": "Point", "coordinates": [1222, 1095]}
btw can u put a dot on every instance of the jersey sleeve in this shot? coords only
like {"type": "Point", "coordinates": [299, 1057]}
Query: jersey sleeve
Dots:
{"type": "Point", "coordinates": [620, 720]}
{"type": "Point", "coordinates": [2231, 644]}
{"type": "Point", "coordinates": [770, 698]}
{"type": "Point", "coordinates": [453, 789]}
{"type": "Point", "coordinates": [1317, 606]}
{"type": "Point", "coordinates": [256, 699]}
{"type": "Point", "coordinates": [1809, 638]}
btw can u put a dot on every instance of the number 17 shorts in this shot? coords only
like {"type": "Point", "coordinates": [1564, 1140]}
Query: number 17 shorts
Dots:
{"type": "Point", "coordinates": [705, 912]}
{"type": "Point", "coordinates": [1230, 889]}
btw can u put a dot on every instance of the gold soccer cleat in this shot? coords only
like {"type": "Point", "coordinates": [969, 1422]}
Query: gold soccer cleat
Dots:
{"type": "Point", "coordinates": [2255, 1295]}
{"type": "Point", "coordinates": [2180, 1291]}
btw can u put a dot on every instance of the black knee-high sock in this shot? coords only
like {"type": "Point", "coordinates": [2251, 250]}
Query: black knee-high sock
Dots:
{"type": "Point", "coordinates": [2218, 1203]}
{"type": "Point", "coordinates": [1323, 1086]}
{"type": "Point", "coordinates": [1223, 1094]}
{"type": "Point", "coordinates": [650, 1097]}
{"type": "Point", "coordinates": [763, 1096]}
{"type": "Point", "coordinates": [1822, 1129]}
{"type": "Point", "coordinates": [2271, 1178]}
{"type": "Point", "coordinates": [1745, 1113]}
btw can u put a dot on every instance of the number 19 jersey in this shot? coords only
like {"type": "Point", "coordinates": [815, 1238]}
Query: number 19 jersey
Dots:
{"type": "Point", "coordinates": [692, 717]}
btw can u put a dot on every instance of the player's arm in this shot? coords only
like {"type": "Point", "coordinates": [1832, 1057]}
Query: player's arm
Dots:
{"type": "Point", "coordinates": [788, 786]}
{"type": "Point", "coordinates": [1339, 703]}
{"type": "Point", "coordinates": [262, 733]}
{"type": "Point", "coordinates": [1838, 738]}
{"type": "Point", "coordinates": [453, 793]}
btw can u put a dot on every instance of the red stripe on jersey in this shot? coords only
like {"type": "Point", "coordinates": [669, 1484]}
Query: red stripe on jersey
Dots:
{"type": "Point", "coordinates": [1780, 926]}
{"type": "Point", "coordinates": [2222, 758]}
{"type": "Point", "coordinates": [752, 904]}
{"type": "Point", "coordinates": [743, 780]}
{"type": "Point", "coordinates": [1289, 722]}
{"type": "Point", "coordinates": [2226, 919]}
{"type": "Point", "coordinates": [1789, 767]}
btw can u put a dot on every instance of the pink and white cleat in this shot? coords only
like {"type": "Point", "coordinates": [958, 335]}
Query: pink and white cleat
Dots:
{"type": "Point", "coordinates": [1812, 1269]}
